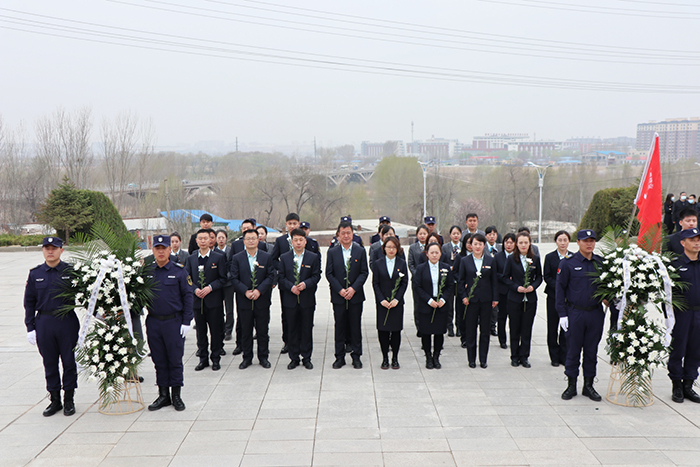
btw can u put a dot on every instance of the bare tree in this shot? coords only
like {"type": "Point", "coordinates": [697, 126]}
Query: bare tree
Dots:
{"type": "Point", "coordinates": [120, 143]}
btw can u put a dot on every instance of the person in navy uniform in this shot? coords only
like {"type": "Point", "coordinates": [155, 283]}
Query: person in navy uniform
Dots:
{"type": "Point", "coordinates": [476, 312]}
{"type": "Point", "coordinates": [311, 243]}
{"type": "Point", "coordinates": [387, 271]}
{"type": "Point", "coordinates": [253, 275]}
{"type": "Point", "coordinates": [283, 244]}
{"type": "Point", "coordinates": [347, 294]}
{"type": "Point", "coordinates": [299, 297]}
{"type": "Point", "coordinates": [522, 300]}
{"type": "Point", "coordinates": [168, 322]}
{"type": "Point", "coordinates": [54, 335]}
{"type": "Point", "coordinates": [556, 338]}
{"type": "Point", "coordinates": [581, 315]}
{"type": "Point", "coordinates": [384, 220]}
{"type": "Point", "coordinates": [687, 219]}
{"type": "Point", "coordinates": [208, 300]}
{"type": "Point", "coordinates": [355, 238]}
{"type": "Point", "coordinates": [501, 258]}
{"type": "Point", "coordinates": [429, 222]}
{"type": "Point", "coordinates": [433, 304]}
{"type": "Point", "coordinates": [684, 358]}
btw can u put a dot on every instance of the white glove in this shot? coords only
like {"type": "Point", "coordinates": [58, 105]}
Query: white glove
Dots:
{"type": "Point", "coordinates": [564, 323]}
{"type": "Point", "coordinates": [184, 329]}
{"type": "Point", "coordinates": [31, 337]}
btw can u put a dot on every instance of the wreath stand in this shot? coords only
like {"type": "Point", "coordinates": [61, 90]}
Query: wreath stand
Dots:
{"type": "Point", "coordinates": [130, 399]}
{"type": "Point", "coordinates": [615, 394]}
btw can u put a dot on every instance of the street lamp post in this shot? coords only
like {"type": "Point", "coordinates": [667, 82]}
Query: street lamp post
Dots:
{"type": "Point", "coordinates": [424, 166]}
{"type": "Point", "coordinates": [541, 169]}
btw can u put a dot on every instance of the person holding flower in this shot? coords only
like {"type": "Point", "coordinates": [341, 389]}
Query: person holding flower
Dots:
{"type": "Point", "coordinates": [523, 275]}
{"type": "Point", "coordinates": [433, 289]}
{"type": "Point", "coordinates": [581, 314]}
{"type": "Point", "coordinates": [390, 280]}
{"type": "Point", "coordinates": [477, 289]}
{"type": "Point", "coordinates": [556, 338]}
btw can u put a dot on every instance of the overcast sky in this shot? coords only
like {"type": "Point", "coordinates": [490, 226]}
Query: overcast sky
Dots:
{"type": "Point", "coordinates": [236, 76]}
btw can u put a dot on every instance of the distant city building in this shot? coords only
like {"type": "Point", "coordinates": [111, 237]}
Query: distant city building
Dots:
{"type": "Point", "coordinates": [386, 148]}
{"type": "Point", "coordinates": [434, 148]}
{"type": "Point", "coordinates": [498, 141]}
{"type": "Point", "coordinates": [679, 138]}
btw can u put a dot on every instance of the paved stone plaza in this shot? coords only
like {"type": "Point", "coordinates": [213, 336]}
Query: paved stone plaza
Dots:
{"type": "Point", "coordinates": [455, 416]}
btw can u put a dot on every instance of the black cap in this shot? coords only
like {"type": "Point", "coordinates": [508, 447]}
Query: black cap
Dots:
{"type": "Point", "coordinates": [583, 234]}
{"type": "Point", "coordinates": [54, 241]}
{"type": "Point", "coordinates": [346, 219]}
{"type": "Point", "coordinates": [161, 240]}
{"type": "Point", "coordinates": [689, 233]}
{"type": "Point", "coordinates": [305, 225]}
{"type": "Point", "coordinates": [384, 219]}
{"type": "Point", "coordinates": [429, 220]}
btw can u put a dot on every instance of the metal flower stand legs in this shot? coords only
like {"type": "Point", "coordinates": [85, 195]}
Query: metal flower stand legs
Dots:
{"type": "Point", "coordinates": [629, 393]}
{"type": "Point", "coordinates": [129, 400]}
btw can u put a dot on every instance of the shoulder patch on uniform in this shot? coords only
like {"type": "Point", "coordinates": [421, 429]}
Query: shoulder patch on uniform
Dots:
{"type": "Point", "coordinates": [179, 265]}
{"type": "Point", "coordinates": [189, 280]}
{"type": "Point", "coordinates": [35, 267]}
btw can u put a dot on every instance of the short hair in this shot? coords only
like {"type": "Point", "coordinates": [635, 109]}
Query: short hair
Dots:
{"type": "Point", "coordinates": [204, 231]}
{"type": "Point", "coordinates": [455, 227]}
{"type": "Point", "coordinates": [490, 228]}
{"type": "Point", "coordinates": [396, 243]}
{"type": "Point", "coordinates": [562, 232]}
{"type": "Point", "coordinates": [246, 232]}
{"type": "Point", "coordinates": [249, 220]}
{"type": "Point", "coordinates": [687, 212]}
{"type": "Point", "coordinates": [509, 236]}
{"type": "Point", "coordinates": [221, 231]}
{"type": "Point", "coordinates": [385, 228]}
{"type": "Point", "coordinates": [479, 238]}
{"type": "Point", "coordinates": [292, 216]}
{"type": "Point", "coordinates": [206, 218]}
{"type": "Point", "coordinates": [523, 229]}
{"type": "Point", "coordinates": [683, 193]}
{"type": "Point", "coordinates": [297, 233]}
{"type": "Point", "coordinates": [344, 224]}
{"type": "Point", "coordinates": [175, 234]}
{"type": "Point", "coordinates": [692, 194]}
{"type": "Point", "coordinates": [472, 214]}
{"type": "Point", "coordinates": [261, 227]}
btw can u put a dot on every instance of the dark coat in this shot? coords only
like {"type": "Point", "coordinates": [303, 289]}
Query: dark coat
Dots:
{"type": "Point", "coordinates": [415, 257]}
{"type": "Point", "coordinates": [335, 273]}
{"type": "Point", "coordinates": [487, 287]}
{"type": "Point", "coordinates": [309, 274]}
{"type": "Point", "coordinates": [514, 276]}
{"type": "Point", "coordinates": [241, 278]}
{"type": "Point", "coordinates": [551, 266]}
{"type": "Point", "coordinates": [500, 267]}
{"type": "Point", "coordinates": [215, 275]}
{"type": "Point", "coordinates": [237, 246]}
{"type": "Point", "coordinates": [422, 284]}
{"type": "Point", "coordinates": [383, 286]}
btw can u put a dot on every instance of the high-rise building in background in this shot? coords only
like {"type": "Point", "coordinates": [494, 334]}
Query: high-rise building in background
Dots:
{"type": "Point", "coordinates": [679, 138]}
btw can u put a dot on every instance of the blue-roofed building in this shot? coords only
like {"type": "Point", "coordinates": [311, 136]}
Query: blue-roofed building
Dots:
{"type": "Point", "coordinates": [193, 215]}
{"type": "Point", "coordinates": [604, 158]}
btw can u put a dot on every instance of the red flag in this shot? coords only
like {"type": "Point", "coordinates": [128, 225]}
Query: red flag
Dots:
{"type": "Point", "coordinates": [649, 200]}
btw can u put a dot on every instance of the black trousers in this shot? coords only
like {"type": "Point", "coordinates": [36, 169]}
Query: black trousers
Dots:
{"type": "Point", "coordinates": [167, 348]}
{"type": "Point", "coordinates": [228, 306]}
{"type": "Point", "coordinates": [211, 319]}
{"type": "Point", "coordinates": [438, 341]}
{"type": "Point", "coordinates": [458, 317]}
{"type": "Point", "coordinates": [56, 338]}
{"type": "Point", "coordinates": [300, 325]}
{"type": "Point", "coordinates": [478, 315]}
{"type": "Point", "coordinates": [260, 319]}
{"type": "Point", "coordinates": [522, 317]}
{"type": "Point", "coordinates": [556, 338]}
{"type": "Point", "coordinates": [502, 318]}
{"type": "Point", "coordinates": [348, 325]}
{"type": "Point", "coordinates": [389, 339]}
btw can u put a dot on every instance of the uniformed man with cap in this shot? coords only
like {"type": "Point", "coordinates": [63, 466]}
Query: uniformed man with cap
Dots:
{"type": "Point", "coordinates": [168, 322]}
{"type": "Point", "coordinates": [430, 222]}
{"type": "Point", "coordinates": [581, 315]}
{"type": "Point", "coordinates": [311, 243]}
{"type": "Point", "coordinates": [54, 334]}
{"type": "Point", "coordinates": [384, 220]}
{"type": "Point", "coordinates": [684, 357]}
{"type": "Point", "coordinates": [355, 238]}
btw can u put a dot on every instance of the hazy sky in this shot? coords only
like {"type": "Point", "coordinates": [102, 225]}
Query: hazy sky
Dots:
{"type": "Point", "coordinates": [235, 77]}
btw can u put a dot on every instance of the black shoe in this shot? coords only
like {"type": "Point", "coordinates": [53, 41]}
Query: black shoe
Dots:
{"type": "Point", "coordinates": [483, 365]}
{"type": "Point", "coordinates": [590, 392]}
{"type": "Point", "coordinates": [245, 364]}
{"type": "Point", "coordinates": [201, 365]}
{"type": "Point", "coordinates": [284, 349]}
{"type": "Point", "coordinates": [177, 400]}
{"type": "Point", "coordinates": [450, 332]}
{"type": "Point", "coordinates": [199, 353]}
{"type": "Point", "coordinates": [223, 352]}
{"type": "Point", "coordinates": [570, 390]}
{"type": "Point", "coordinates": [293, 364]}
{"type": "Point", "coordinates": [308, 365]}
{"type": "Point", "coordinates": [228, 336]}
{"type": "Point", "coordinates": [504, 346]}
{"type": "Point", "coordinates": [429, 364]}
{"type": "Point", "coordinates": [385, 363]}
{"type": "Point", "coordinates": [436, 361]}
{"type": "Point", "coordinates": [514, 362]}
{"type": "Point", "coordinates": [677, 395]}
{"type": "Point", "coordinates": [688, 391]}
{"type": "Point", "coordinates": [163, 399]}
{"type": "Point", "coordinates": [418, 334]}
{"type": "Point", "coordinates": [338, 363]}
{"type": "Point", "coordinates": [525, 363]}
{"type": "Point", "coordinates": [237, 351]}
{"type": "Point", "coordinates": [395, 364]}
{"type": "Point", "coordinates": [494, 333]}
{"type": "Point", "coordinates": [215, 366]}
{"type": "Point", "coordinates": [555, 363]}
{"type": "Point", "coordinates": [68, 404]}
{"type": "Point", "coordinates": [464, 345]}
{"type": "Point", "coordinates": [458, 333]}
{"type": "Point", "coordinates": [356, 363]}
{"type": "Point", "coordinates": [472, 364]}
{"type": "Point", "coordinates": [55, 405]}
{"type": "Point", "coordinates": [265, 363]}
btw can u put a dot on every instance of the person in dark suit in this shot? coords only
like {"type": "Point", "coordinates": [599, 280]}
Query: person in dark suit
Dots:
{"type": "Point", "coordinates": [433, 288]}
{"type": "Point", "coordinates": [376, 251]}
{"type": "Point", "coordinates": [478, 267]}
{"type": "Point", "coordinates": [299, 271]}
{"type": "Point", "coordinates": [687, 219]}
{"type": "Point", "coordinates": [678, 206]}
{"type": "Point", "coordinates": [450, 254]}
{"type": "Point", "coordinates": [311, 243]}
{"type": "Point", "coordinates": [535, 248]}
{"type": "Point", "coordinates": [175, 245]}
{"type": "Point", "coordinates": [347, 293]}
{"type": "Point", "coordinates": [355, 238]}
{"type": "Point", "coordinates": [501, 258]}
{"type": "Point", "coordinates": [283, 244]}
{"type": "Point", "coordinates": [429, 221]}
{"type": "Point", "coordinates": [390, 281]}
{"type": "Point", "coordinates": [668, 213]}
{"type": "Point", "coordinates": [416, 252]}
{"type": "Point", "coordinates": [253, 275]}
{"type": "Point", "coordinates": [523, 275]}
{"type": "Point", "coordinates": [223, 248]}
{"type": "Point", "coordinates": [205, 222]}
{"type": "Point", "coordinates": [262, 233]}
{"type": "Point", "coordinates": [472, 225]}
{"type": "Point", "coordinates": [556, 337]}
{"type": "Point", "coordinates": [208, 301]}
{"type": "Point", "coordinates": [492, 246]}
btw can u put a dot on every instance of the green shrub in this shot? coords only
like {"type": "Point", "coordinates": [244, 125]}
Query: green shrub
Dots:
{"type": "Point", "coordinates": [23, 240]}
{"type": "Point", "coordinates": [611, 207]}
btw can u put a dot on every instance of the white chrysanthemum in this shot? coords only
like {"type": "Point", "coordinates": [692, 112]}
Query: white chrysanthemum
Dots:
{"type": "Point", "coordinates": [113, 369]}
{"type": "Point", "coordinates": [96, 358]}
{"type": "Point", "coordinates": [134, 341]}
{"type": "Point", "coordinates": [125, 370]}
{"type": "Point", "coordinates": [630, 322]}
{"type": "Point", "coordinates": [109, 357]}
{"type": "Point", "coordinates": [119, 380]}
{"type": "Point", "coordinates": [110, 389]}
{"type": "Point", "coordinates": [101, 331]}
{"type": "Point", "coordinates": [630, 349]}
{"type": "Point", "coordinates": [133, 359]}
{"type": "Point", "coordinates": [106, 347]}
{"type": "Point", "coordinates": [123, 351]}
{"type": "Point", "coordinates": [617, 283]}
{"type": "Point", "coordinates": [139, 279]}
{"type": "Point", "coordinates": [643, 339]}
{"type": "Point", "coordinates": [93, 369]}
{"type": "Point", "coordinates": [634, 343]}
{"type": "Point", "coordinates": [633, 298]}
{"type": "Point", "coordinates": [125, 360]}
{"type": "Point", "coordinates": [645, 374]}
{"type": "Point", "coordinates": [108, 300]}
{"type": "Point", "coordinates": [620, 337]}
{"type": "Point", "coordinates": [656, 338]}
{"type": "Point", "coordinates": [103, 374]}
{"type": "Point", "coordinates": [127, 279]}
{"type": "Point", "coordinates": [120, 340]}
{"type": "Point", "coordinates": [653, 355]}
{"type": "Point", "coordinates": [92, 378]}
{"type": "Point", "coordinates": [109, 336]}
{"type": "Point", "coordinates": [631, 360]}
{"type": "Point", "coordinates": [101, 365]}
{"type": "Point", "coordinates": [115, 347]}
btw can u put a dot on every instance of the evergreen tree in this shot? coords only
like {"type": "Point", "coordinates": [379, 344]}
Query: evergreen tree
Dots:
{"type": "Point", "coordinates": [66, 209]}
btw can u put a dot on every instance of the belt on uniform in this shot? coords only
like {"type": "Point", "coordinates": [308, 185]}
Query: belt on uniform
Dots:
{"type": "Point", "coordinates": [583, 308]}
{"type": "Point", "coordinates": [694, 308]}
{"type": "Point", "coordinates": [164, 317]}
{"type": "Point", "coordinates": [51, 313]}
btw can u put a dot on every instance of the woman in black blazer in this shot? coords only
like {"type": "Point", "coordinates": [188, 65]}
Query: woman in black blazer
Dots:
{"type": "Point", "coordinates": [433, 289]}
{"type": "Point", "coordinates": [416, 252]}
{"type": "Point", "coordinates": [450, 254]}
{"type": "Point", "coordinates": [556, 338]}
{"type": "Point", "coordinates": [476, 310]}
{"type": "Point", "coordinates": [522, 301]}
{"type": "Point", "coordinates": [389, 289]}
